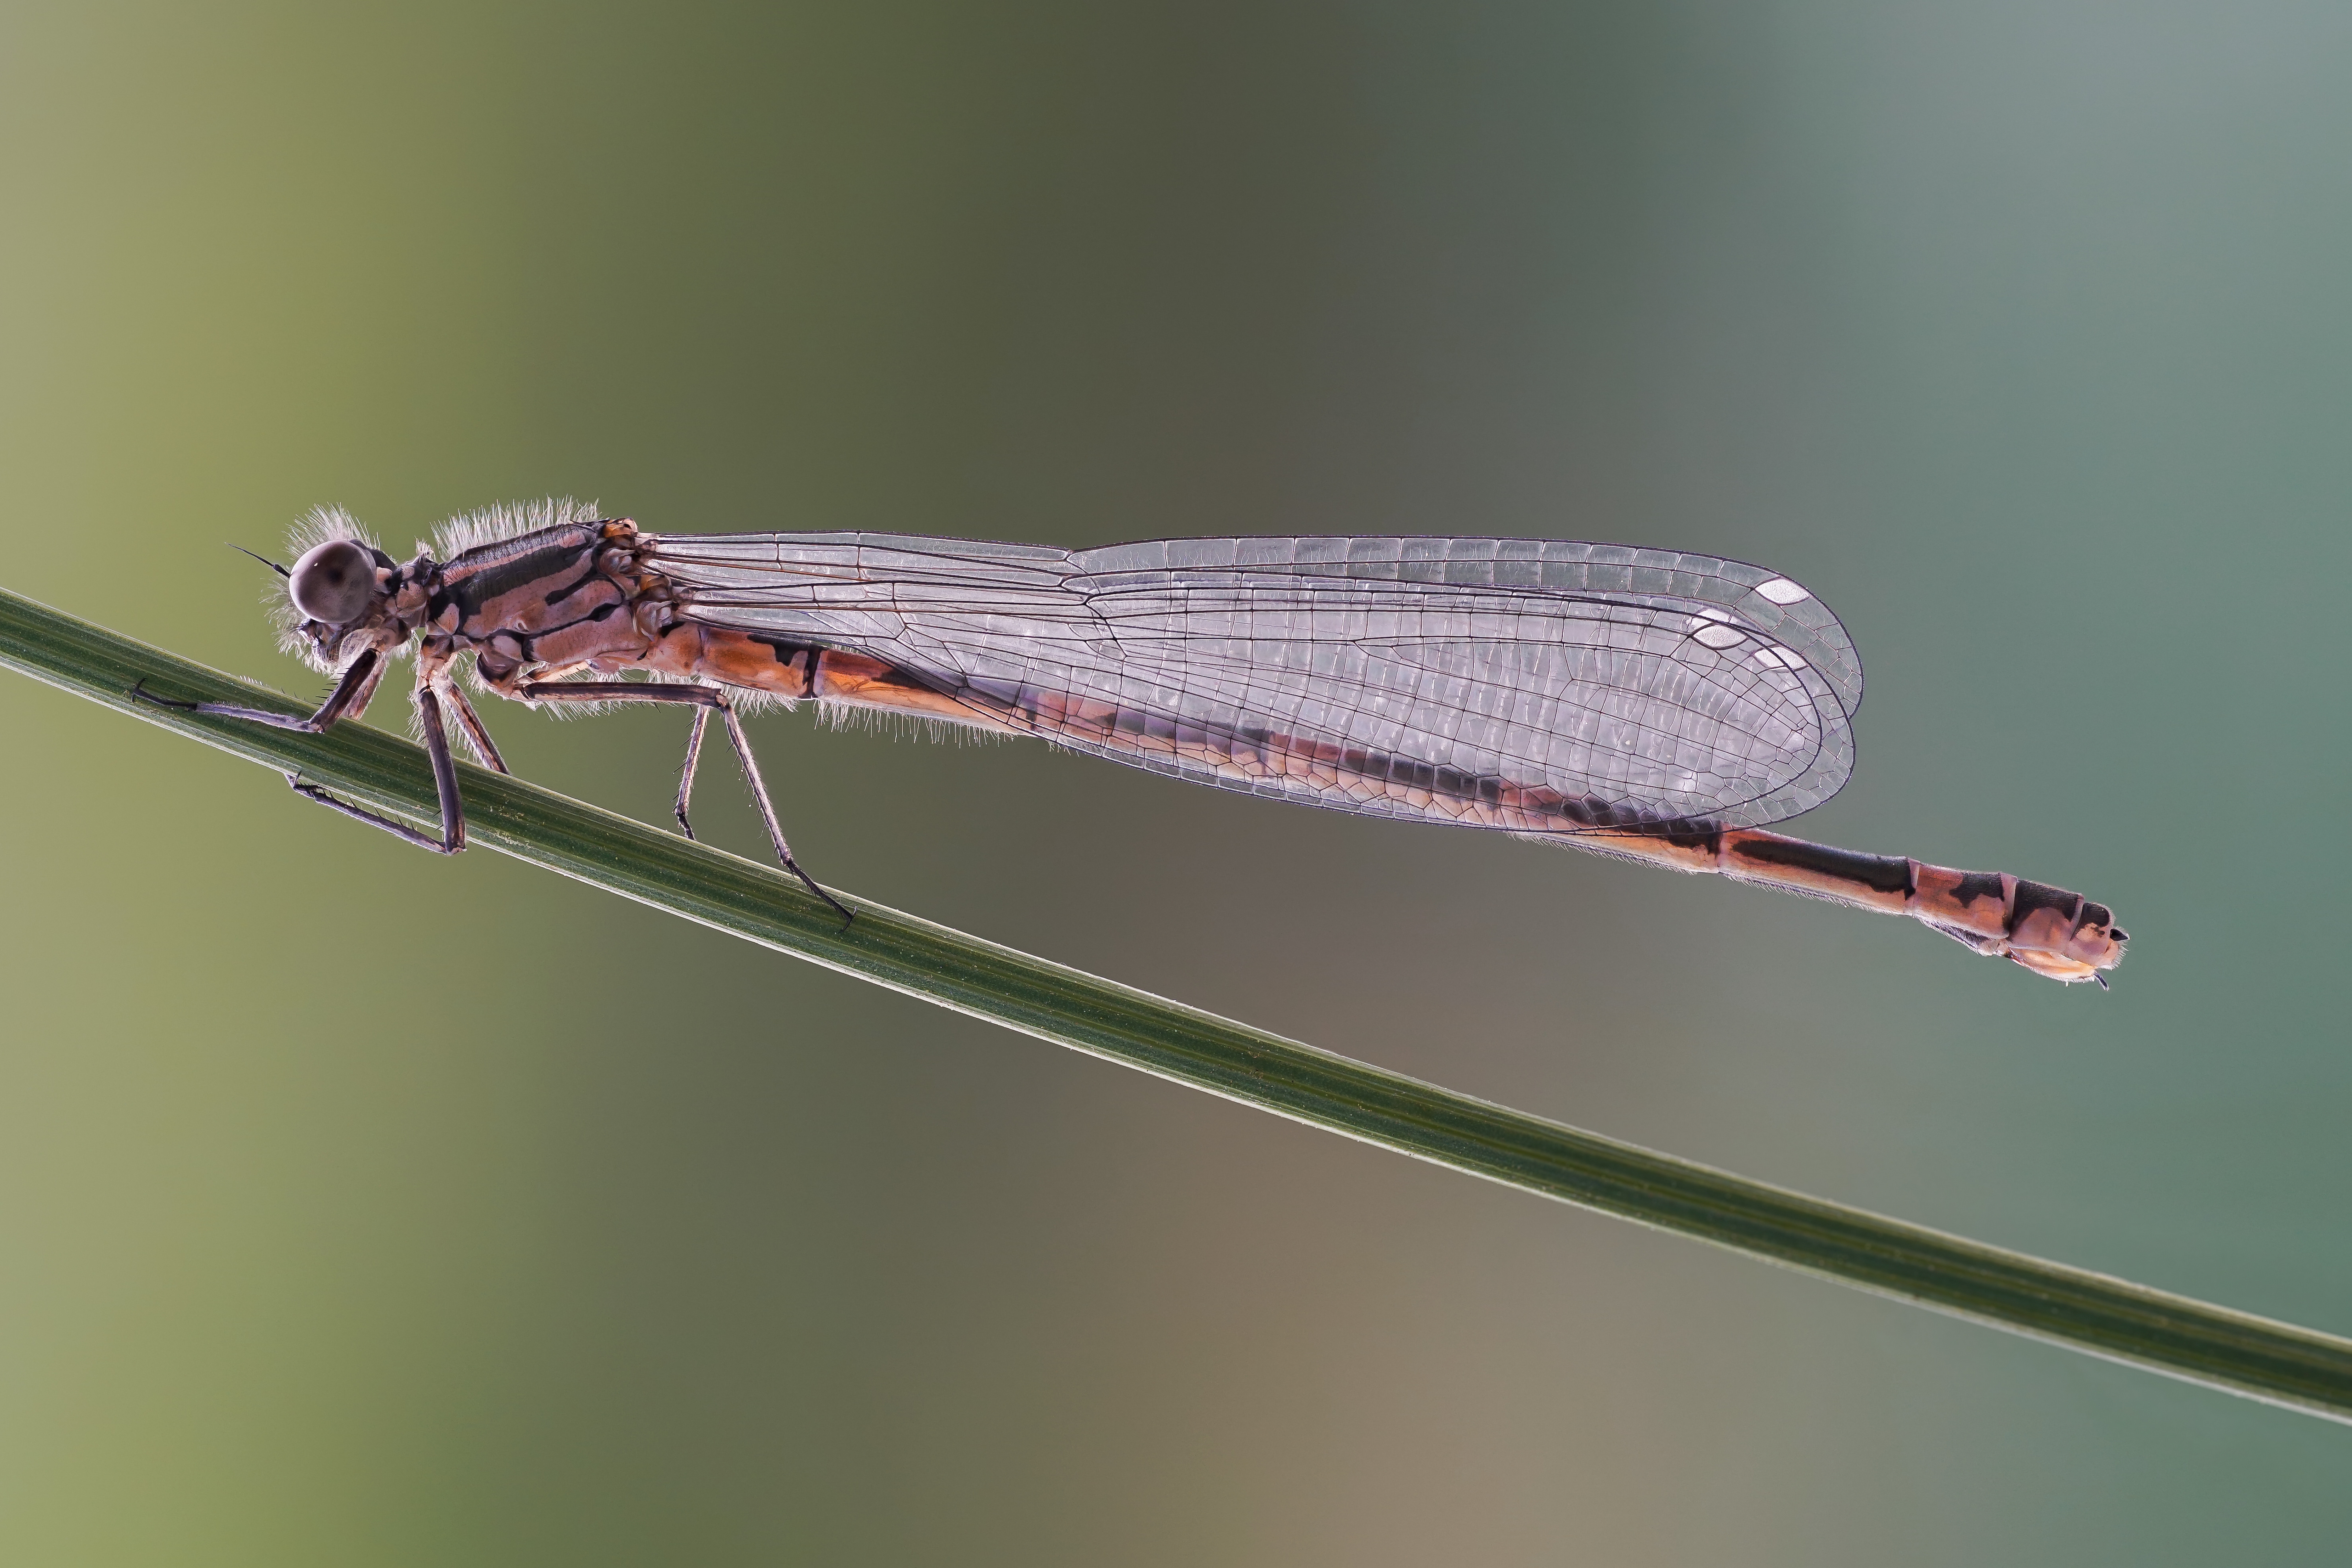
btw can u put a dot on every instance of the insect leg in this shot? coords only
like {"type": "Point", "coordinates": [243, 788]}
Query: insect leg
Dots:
{"type": "Point", "coordinates": [348, 700]}
{"type": "Point", "coordinates": [444, 785]}
{"type": "Point", "coordinates": [686, 778]}
{"type": "Point", "coordinates": [707, 698]}
{"type": "Point", "coordinates": [768, 809]}
{"type": "Point", "coordinates": [619, 692]}
{"type": "Point", "coordinates": [704, 699]}
{"type": "Point", "coordinates": [470, 724]}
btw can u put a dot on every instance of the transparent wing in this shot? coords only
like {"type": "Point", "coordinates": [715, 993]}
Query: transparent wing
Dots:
{"type": "Point", "coordinates": [1533, 685]}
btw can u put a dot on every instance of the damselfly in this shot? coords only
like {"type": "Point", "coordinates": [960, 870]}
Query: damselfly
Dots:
{"type": "Point", "coordinates": [1651, 705]}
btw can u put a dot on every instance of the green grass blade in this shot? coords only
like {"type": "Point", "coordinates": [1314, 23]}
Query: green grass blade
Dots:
{"type": "Point", "coordinates": [2107, 1317]}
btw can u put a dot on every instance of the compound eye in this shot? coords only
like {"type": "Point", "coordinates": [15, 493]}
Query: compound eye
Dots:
{"type": "Point", "coordinates": [333, 583]}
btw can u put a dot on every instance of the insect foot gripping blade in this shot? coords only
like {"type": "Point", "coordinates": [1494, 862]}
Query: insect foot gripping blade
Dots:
{"type": "Point", "coordinates": [2046, 929]}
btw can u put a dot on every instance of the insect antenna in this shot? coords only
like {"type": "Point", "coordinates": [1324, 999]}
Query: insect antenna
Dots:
{"type": "Point", "coordinates": [263, 559]}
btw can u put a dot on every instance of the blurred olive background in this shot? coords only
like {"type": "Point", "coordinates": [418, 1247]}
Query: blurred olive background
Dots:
{"type": "Point", "coordinates": [359, 1206]}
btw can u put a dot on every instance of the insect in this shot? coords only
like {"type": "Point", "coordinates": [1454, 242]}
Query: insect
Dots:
{"type": "Point", "coordinates": [1650, 705]}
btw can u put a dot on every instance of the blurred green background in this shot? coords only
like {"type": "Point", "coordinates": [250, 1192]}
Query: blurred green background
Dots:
{"type": "Point", "coordinates": [361, 1208]}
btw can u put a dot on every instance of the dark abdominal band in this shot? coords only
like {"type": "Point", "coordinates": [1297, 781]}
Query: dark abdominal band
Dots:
{"type": "Point", "coordinates": [1880, 873]}
{"type": "Point", "coordinates": [784, 651]}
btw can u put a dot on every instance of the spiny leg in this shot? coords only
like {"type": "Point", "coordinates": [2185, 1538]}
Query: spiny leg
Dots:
{"type": "Point", "coordinates": [469, 724]}
{"type": "Point", "coordinates": [686, 778]}
{"type": "Point", "coordinates": [348, 700]}
{"type": "Point", "coordinates": [706, 698]}
{"type": "Point", "coordinates": [601, 691]}
{"type": "Point", "coordinates": [444, 785]}
{"type": "Point", "coordinates": [768, 809]}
